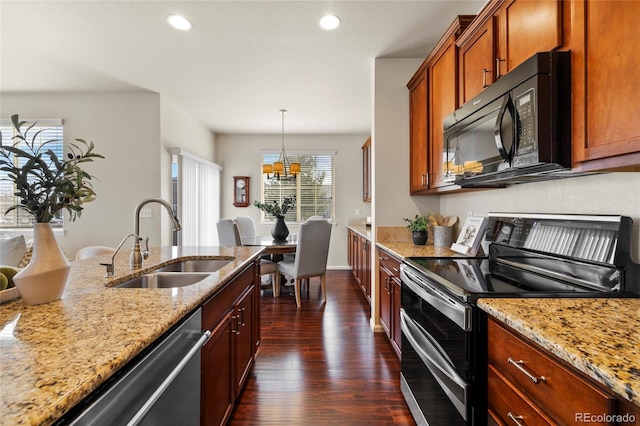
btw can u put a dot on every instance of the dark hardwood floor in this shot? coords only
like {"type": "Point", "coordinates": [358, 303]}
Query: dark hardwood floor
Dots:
{"type": "Point", "coordinates": [321, 364]}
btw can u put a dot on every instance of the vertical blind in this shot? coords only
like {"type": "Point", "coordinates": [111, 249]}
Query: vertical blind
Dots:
{"type": "Point", "coordinates": [50, 130]}
{"type": "Point", "coordinates": [198, 199]}
{"type": "Point", "coordinates": [313, 189]}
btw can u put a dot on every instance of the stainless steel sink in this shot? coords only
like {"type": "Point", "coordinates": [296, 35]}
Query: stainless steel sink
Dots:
{"type": "Point", "coordinates": [196, 265]}
{"type": "Point", "coordinates": [164, 280]}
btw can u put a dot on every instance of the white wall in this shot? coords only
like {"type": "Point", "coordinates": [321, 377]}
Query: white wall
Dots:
{"type": "Point", "coordinates": [390, 141]}
{"type": "Point", "coordinates": [239, 155]}
{"type": "Point", "coordinates": [125, 128]}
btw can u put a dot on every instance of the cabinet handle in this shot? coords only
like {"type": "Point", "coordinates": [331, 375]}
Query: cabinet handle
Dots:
{"type": "Point", "coordinates": [381, 258]}
{"type": "Point", "coordinates": [425, 180]}
{"type": "Point", "coordinates": [234, 330]}
{"type": "Point", "coordinates": [242, 317]}
{"type": "Point", "coordinates": [515, 418]}
{"type": "Point", "coordinates": [484, 77]}
{"type": "Point", "coordinates": [386, 284]}
{"type": "Point", "coordinates": [498, 60]}
{"type": "Point", "coordinates": [519, 365]}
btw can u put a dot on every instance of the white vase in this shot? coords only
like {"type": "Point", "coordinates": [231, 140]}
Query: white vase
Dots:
{"type": "Point", "coordinates": [44, 278]}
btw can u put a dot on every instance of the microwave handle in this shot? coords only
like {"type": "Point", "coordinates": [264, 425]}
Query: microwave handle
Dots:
{"type": "Point", "coordinates": [507, 107]}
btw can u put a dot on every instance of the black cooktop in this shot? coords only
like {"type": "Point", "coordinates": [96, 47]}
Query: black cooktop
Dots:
{"type": "Point", "coordinates": [473, 278]}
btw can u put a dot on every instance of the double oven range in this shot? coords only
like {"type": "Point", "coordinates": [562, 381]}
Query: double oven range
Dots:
{"type": "Point", "coordinates": [443, 367]}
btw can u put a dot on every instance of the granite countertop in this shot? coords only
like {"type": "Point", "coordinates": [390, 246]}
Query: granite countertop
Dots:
{"type": "Point", "coordinates": [402, 249]}
{"type": "Point", "coordinates": [600, 337]}
{"type": "Point", "coordinates": [362, 229]}
{"type": "Point", "coordinates": [53, 355]}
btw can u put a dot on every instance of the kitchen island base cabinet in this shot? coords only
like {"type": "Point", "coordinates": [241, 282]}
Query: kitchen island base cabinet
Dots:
{"type": "Point", "coordinates": [228, 356]}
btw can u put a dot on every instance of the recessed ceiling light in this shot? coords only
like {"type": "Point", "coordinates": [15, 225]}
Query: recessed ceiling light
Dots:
{"type": "Point", "coordinates": [179, 22]}
{"type": "Point", "coordinates": [330, 22]}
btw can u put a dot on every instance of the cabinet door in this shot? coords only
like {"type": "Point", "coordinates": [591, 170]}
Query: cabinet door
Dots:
{"type": "Point", "coordinates": [243, 339]}
{"type": "Point", "coordinates": [443, 91]}
{"type": "Point", "coordinates": [395, 302]}
{"type": "Point", "coordinates": [477, 59]}
{"type": "Point", "coordinates": [418, 154]}
{"type": "Point", "coordinates": [366, 268]}
{"type": "Point", "coordinates": [525, 28]}
{"type": "Point", "coordinates": [385, 301]}
{"type": "Point", "coordinates": [217, 396]}
{"type": "Point", "coordinates": [605, 76]}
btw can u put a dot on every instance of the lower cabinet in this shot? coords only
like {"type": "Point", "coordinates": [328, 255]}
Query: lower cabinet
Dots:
{"type": "Point", "coordinates": [359, 257]}
{"type": "Point", "coordinates": [527, 385]}
{"type": "Point", "coordinates": [389, 279]}
{"type": "Point", "coordinates": [228, 356]}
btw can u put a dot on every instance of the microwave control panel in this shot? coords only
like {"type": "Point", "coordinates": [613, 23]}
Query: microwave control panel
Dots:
{"type": "Point", "coordinates": [525, 106]}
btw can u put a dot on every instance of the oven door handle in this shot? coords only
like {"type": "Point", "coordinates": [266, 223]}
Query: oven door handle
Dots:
{"type": "Point", "coordinates": [437, 364]}
{"type": "Point", "coordinates": [456, 312]}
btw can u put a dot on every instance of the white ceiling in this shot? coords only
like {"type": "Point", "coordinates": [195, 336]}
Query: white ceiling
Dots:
{"type": "Point", "coordinates": [241, 63]}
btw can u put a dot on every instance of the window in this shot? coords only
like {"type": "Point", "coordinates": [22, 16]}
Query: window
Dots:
{"type": "Point", "coordinates": [313, 189]}
{"type": "Point", "coordinates": [50, 130]}
{"type": "Point", "coordinates": [196, 199]}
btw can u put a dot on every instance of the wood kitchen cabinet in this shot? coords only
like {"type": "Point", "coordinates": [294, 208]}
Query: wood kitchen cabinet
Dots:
{"type": "Point", "coordinates": [389, 278]}
{"type": "Point", "coordinates": [366, 170]}
{"type": "Point", "coordinates": [228, 356]}
{"type": "Point", "coordinates": [527, 384]}
{"type": "Point", "coordinates": [605, 83]}
{"type": "Point", "coordinates": [433, 94]}
{"type": "Point", "coordinates": [359, 256]}
{"type": "Point", "coordinates": [505, 34]}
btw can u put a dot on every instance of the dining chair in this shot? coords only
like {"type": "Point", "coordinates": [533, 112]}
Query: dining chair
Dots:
{"type": "Point", "coordinates": [229, 235]}
{"type": "Point", "coordinates": [312, 252]}
{"type": "Point", "coordinates": [91, 251]}
{"type": "Point", "coordinates": [246, 226]}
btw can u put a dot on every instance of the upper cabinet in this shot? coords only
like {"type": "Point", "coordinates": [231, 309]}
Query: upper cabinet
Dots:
{"type": "Point", "coordinates": [474, 54]}
{"type": "Point", "coordinates": [505, 34]}
{"type": "Point", "coordinates": [605, 84]}
{"type": "Point", "coordinates": [433, 94]}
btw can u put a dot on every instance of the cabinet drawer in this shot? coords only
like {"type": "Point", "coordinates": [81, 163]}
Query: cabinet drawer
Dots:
{"type": "Point", "coordinates": [222, 302]}
{"type": "Point", "coordinates": [561, 392]}
{"type": "Point", "coordinates": [388, 262]}
{"type": "Point", "coordinates": [509, 405]}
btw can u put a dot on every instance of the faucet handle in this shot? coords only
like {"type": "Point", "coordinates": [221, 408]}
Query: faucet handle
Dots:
{"type": "Point", "coordinates": [145, 253]}
{"type": "Point", "coordinates": [110, 269]}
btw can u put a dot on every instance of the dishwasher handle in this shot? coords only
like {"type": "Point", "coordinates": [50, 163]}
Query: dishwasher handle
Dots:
{"type": "Point", "coordinates": [170, 378]}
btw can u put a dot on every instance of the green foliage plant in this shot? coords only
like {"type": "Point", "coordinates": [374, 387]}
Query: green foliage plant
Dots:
{"type": "Point", "coordinates": [276, 209]}
{"type": "Point", "coordinates": [44, 183]}
{"type": "Point", "coordinates": [418, 223]}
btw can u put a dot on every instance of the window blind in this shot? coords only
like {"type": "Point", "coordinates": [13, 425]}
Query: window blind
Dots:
{"type": "Point", "coordinates": [198, 199]}
{"type": "Point", "coordinates": [50, 130]}
{"type": "Point", "coordinates": [313, 189]}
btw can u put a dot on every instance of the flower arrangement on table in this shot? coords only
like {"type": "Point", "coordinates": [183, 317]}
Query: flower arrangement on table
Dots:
{"type": "Point", "coordinates": [276, 209]}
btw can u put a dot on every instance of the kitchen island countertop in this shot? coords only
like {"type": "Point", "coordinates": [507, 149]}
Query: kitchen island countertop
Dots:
{"type": "Point", "coordinates": [599, 337]}
{"type": "Point", "coordinates": [54, 355]}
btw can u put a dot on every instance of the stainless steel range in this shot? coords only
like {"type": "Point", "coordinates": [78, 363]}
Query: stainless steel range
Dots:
{"type": "Point", "coordinates": [443, 374]}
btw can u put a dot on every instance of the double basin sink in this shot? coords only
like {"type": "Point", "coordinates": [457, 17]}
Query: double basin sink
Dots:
{"type": "Point", "coordinates": [179, 274]}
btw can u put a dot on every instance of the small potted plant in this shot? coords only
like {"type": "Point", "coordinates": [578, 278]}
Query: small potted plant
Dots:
{"type": "Point", "coordinates": [279, 232]}
{"type": "Point", "coordinates": [45, 185]}
{"type": "Point", "coordinates": [419, 226]}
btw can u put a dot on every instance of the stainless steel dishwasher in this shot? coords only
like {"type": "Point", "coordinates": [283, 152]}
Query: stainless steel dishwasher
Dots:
{"type": "Point", "coordinates": [163, 387]}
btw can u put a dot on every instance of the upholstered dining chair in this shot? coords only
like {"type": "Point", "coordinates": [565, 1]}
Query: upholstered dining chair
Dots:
{"type": "Point", "coordinates": [92, 251]}
{"type": "Point", "coordinates": [246, 226]}
{"type": "Point", "coordinates": [229, 235]}
{"type": "Point", "coordinates": [312, 251]}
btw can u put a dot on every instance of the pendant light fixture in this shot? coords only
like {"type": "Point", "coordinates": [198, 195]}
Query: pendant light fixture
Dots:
{"type": "Point", "coordinates": [282, 168]}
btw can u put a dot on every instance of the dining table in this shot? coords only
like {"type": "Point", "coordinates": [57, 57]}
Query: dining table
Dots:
{"type": "Point", "coordinates": [275, 248]}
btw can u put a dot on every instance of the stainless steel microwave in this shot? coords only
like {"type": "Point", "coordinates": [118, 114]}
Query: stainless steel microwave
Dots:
{"type": "Point", "coordinates": [516, 130]}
